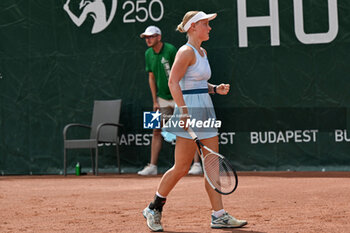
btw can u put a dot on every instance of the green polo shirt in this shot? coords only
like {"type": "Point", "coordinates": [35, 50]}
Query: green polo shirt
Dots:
{"type": "Point", "coordinates": [160, 64]}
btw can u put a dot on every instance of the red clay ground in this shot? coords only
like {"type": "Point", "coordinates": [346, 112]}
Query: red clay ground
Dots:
{"type": "Point", "coordinates": [271, 202]}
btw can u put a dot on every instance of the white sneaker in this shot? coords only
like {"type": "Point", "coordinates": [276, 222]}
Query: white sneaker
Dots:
{"type": "Point", "coordinates": [149, 170]}
{"type": "Point", "coordinates": [153, 218]}
{"type": "Point", "coordinates": [196, 169]}
{"type": "Point", "coordinates": [226, 221]}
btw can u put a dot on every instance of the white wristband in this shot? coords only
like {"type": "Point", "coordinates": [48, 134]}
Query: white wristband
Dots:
{"type": "Point", "coordinates": [181, 109]}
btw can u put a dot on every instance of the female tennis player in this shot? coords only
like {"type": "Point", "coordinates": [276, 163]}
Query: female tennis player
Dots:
{"type": "Point", "coordinates": [188, 83]}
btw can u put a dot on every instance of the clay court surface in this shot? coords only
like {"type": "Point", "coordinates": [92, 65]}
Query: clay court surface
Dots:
{"type": "Point", "coordinates": [271, 202]}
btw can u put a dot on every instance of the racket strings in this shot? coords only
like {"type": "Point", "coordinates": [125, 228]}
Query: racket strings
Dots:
{"type": "Point", "coordinates": [219, 172]}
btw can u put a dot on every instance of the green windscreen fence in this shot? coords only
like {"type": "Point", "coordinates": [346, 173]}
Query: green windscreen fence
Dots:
{"type": "Point", "coordinates": [287, 63]}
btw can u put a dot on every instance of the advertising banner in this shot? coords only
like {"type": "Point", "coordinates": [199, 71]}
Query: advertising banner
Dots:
{"type": "Point", "coordinates": [287, 63]}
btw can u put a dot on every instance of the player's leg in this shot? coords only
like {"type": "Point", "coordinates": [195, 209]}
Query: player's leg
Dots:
{"type": "Point", "coordinates": [220, 218]}
{"type": "Point", "coordinates": [184, 151]}
{"type": "Point", "coordinates": [214, 197]}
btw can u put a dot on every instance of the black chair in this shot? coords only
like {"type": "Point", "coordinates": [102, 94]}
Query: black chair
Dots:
{"type": "Point", "coordinates": [103, 131]}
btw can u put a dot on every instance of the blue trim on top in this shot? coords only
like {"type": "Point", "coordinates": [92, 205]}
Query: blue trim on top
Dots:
{"type": "Point", "coordinates": [195, 91]}
{"type": "Point", "coordinates": [188, 44]}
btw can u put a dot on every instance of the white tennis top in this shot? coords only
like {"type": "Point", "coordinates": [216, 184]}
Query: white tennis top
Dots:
{"type": "Point", "coordinates": [198, 74]}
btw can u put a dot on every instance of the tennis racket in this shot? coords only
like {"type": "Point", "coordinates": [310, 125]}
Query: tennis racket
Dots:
{"type": "Point", "coordinates": [218, 171]}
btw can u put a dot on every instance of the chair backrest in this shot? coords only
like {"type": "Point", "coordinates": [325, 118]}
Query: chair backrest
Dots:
{"type": "Point", "coordinates": [106, 111]}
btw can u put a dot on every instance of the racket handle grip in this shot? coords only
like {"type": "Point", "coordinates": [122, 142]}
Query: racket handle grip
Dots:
{"type": "Point", "coordinates": [192, 133]}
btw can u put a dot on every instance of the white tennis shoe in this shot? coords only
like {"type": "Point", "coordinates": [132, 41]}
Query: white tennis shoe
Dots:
{"type": "Point", "coordinates": [153, 218]}
{"type": "Point", "coordinates": [226, 221]}
{"type": "Point", "coordinates": [149, 170]}
{"type": "Point", "coordinates": [196, 169]}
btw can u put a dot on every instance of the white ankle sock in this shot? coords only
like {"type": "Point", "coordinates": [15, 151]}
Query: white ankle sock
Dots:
{"type": "Point", "coordinates": [218, 213]}
{"type": "Point", "coordinates": [197, 163]}
{"type": "Point", "coordinates": [159, 195]}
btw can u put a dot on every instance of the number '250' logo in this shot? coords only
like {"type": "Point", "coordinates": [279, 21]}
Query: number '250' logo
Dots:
{"type": "Point", "coordinates": [140, 10]}
{"type": "Point", "coordinates": [143, 11]}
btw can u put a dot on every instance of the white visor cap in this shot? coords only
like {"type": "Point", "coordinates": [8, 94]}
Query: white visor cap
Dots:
{"type": "Point", "coordinates": [199, 16]}
{"type": "Point", "coordinates": [151, 30]}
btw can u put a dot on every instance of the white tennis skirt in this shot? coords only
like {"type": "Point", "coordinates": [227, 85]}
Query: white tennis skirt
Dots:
{"type": "Point", "coordinates": [202, 116]}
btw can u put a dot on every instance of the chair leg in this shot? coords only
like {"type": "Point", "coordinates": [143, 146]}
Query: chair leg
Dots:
{"type": "Point", "coordinates": [92, 161]}
{"type": "Point", "coordinates": [96, 160]}
{"type": "Point", "coordinates": [118, 157]}
{"type": "Point", "coordinates": [65, 162]}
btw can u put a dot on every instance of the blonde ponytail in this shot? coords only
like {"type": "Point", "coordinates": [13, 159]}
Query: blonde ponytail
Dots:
{"type": "Point", "coordinates": [185, 19]}
{"type": "Point", "coordinates": [180, 28]}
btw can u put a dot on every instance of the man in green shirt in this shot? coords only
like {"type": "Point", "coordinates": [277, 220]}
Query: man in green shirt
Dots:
{"type": "Point", "coordinates": [159, 59]}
